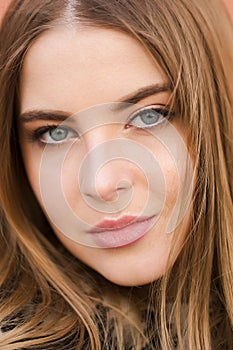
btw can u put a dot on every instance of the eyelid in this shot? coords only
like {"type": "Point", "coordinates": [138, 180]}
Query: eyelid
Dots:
{"type": "Point", "coordinates": [38, 133]}
{"type": "Point", "coordinates": [161, 107]}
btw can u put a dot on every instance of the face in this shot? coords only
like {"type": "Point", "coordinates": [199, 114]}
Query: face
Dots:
{"type": "Point", "coordinates": [103, 153]}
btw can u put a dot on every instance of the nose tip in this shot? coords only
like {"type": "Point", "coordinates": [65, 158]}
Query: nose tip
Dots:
{"type": "Point", "coordinates": [110, 191]}
{"type": "Point", "coordinates": [108, 183]}
{"type": "Point", "coordinates": [106, 174]}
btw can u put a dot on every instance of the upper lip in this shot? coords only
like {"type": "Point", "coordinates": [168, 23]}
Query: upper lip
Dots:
{"type": "Point", "coordinates": [112, 224]}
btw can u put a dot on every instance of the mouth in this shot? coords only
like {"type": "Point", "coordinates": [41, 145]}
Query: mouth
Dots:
{"type": "Point", "coordinates": [121, 232]}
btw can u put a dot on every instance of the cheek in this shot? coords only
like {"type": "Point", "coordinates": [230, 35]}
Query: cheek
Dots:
{"type": "Point", "coordinates": [174, 183]}
{"type": "Point", "coordinates": [171, 178]}
{"type": "Point", "coordinates": [164, 175]}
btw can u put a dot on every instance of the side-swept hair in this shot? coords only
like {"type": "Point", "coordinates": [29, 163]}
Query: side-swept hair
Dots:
{"type": "Point", "coordinates": [47, 297]}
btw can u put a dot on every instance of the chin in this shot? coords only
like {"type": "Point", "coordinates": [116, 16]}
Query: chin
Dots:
{"type": "Point", "coordinates": [129, 279]}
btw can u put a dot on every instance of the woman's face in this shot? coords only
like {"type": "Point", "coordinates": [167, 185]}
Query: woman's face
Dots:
{"type": "Point", "coordinates": [104, 155]}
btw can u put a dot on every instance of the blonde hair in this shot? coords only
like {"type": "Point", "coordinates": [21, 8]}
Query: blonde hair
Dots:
{"type": "Point", "coordinates": [49, 298]}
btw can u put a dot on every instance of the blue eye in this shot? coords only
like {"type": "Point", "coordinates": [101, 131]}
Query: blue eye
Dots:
{"type": "Point", "coordinates": [149, 117]}
{"type": "Point", "coordinates": [54, 134]}
{"type": "Point", "coordinates": [58, 134]}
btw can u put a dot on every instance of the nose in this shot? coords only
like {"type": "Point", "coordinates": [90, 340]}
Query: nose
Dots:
{"type": "Point", "coordinates": [108, 182]}
{"type": "Point", "coordinates": [106, 174]}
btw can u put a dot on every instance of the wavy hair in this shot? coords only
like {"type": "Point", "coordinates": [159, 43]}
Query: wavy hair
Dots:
{"type": "Point", "coordinates": [48, 298]}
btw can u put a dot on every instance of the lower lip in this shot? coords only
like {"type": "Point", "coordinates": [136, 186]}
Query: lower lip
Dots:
{"type": "Point", "coordinates": [124, 236]}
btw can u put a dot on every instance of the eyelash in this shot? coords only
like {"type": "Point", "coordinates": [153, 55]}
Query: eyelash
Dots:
{"type": "Point", "coordinates": [164, 114]}
{"type": "Point", "coordinates": [37, 134]}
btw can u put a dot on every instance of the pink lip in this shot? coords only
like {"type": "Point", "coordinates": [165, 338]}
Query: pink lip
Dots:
{"type": "Point", "coordinates": [115, 224]}
{"type": "Point", "coordinates": [122, 232]}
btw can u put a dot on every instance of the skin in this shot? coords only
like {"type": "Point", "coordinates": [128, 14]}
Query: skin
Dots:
{"type": "Point", "coordinates": [73, 69]}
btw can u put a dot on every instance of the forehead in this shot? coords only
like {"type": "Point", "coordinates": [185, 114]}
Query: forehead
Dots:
{"type": "Point", "coordinates": [75, 68]}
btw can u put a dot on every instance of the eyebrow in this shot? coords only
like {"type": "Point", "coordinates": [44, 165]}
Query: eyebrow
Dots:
{"type": "Point", "coordinates": [132, 98]}
{"type": "Point", "coordinates": [144, 92]}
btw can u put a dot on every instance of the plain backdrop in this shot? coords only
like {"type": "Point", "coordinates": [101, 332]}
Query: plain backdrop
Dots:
{"type": "Point", "coordinates": [229, 4]}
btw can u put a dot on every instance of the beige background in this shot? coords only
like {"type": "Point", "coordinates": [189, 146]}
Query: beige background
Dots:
{"type": "Point", "coordinates": [229, 4]}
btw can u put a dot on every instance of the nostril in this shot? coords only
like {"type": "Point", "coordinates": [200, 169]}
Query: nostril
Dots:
{"type": "Point", "coordinates": [123, 185]}
{"type": "Point", "coordinates": [110, 191]}
{"type": "Point", "coordinates": [108, 195]}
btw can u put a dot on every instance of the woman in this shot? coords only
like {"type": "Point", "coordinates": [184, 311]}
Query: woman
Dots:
{"type": "Point", "coordinates": [116, 175]}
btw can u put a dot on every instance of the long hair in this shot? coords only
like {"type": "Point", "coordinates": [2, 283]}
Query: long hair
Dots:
{"type": "Point", "coordinates": [50, 299]}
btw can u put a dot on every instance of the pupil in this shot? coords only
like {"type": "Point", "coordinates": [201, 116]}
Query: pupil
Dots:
{"type": "Point", "coordinates": [58, 134]}
{"type": "Point", "coordinates": [150, 117]}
